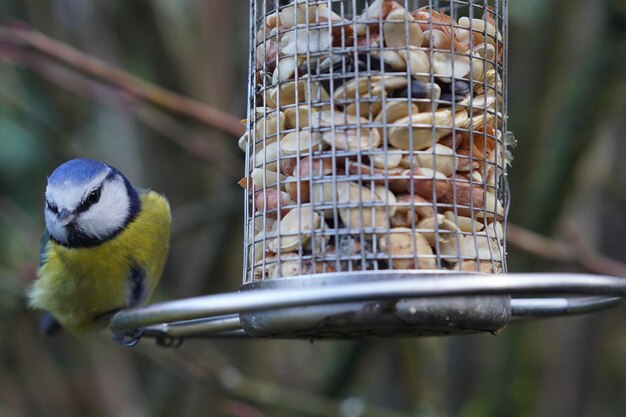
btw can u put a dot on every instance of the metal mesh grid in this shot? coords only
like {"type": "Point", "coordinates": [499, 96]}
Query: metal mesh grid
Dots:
{"type": "Point", "coordinates": [376, 137]}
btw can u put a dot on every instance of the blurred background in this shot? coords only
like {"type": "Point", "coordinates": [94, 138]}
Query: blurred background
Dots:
{"type": "Point", "coordinates": [567, 107]}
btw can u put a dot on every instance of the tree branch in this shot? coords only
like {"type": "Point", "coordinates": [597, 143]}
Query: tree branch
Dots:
{"type": "Point", "coordinates": [209, 366]}
{"type": "Point", "coordinates": [37, 42]}
{"type": "Point", "coordinates": [553, 250]}
{"type": "Point", "coordinates": [213, 152]}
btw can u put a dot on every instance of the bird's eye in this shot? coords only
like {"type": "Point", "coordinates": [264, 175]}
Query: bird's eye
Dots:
{"type": "Point", "coordinates": [94, 196]}
{"type": "Point", "coordinates": [52, 207]}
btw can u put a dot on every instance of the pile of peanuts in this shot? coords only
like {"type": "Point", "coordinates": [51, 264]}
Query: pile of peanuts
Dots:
{"type": "Point", "coordinates": [375, 142]}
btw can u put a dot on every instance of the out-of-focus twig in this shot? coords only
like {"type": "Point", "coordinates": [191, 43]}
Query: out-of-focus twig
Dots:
{"type": "Point", "coordinates": [209, 151]}
{"type": "Point", "coordinates": [209, 366]}
{"type": "Point", "coordinates": [37, 42]}
{"type": "Point", "coordinates": [190, 141]}
{"type": "Point", "coordinates": [553, 250]}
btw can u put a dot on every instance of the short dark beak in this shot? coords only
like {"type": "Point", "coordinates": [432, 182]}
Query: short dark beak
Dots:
{"type": "Point", "coordinates": [66, 217]}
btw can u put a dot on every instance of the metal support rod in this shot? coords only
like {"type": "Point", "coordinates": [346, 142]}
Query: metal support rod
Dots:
{"type": "Point", "coordinates": [536, 308]}
{"type": "Point", "coordinates": [196, 327]}
{"type": "Point", "coordinates": [409, 284]}
{"type": "Point", "coordinates": [522, 309]}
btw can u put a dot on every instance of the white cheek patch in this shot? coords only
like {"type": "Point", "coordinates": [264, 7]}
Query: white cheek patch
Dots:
{"type": "Point", "coordinates": [68, 196]}
{"type": "Point", "coordinates": [109, 214]}
{"type": "Point", "coordinates": [102, 219]}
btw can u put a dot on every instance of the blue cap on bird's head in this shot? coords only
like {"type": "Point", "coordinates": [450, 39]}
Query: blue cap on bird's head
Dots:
{"type": "Point", "coordinates": [88, 202]}
{"type": "Point", "coordinates": [77, 171]}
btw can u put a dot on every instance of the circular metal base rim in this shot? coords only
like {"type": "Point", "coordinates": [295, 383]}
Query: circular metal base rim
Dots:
{"type": "Point", "coordinates": [161, 318]}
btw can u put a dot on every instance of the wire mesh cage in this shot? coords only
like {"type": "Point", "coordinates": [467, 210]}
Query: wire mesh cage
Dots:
{"type": "Point", "coordinates": [377, 140]}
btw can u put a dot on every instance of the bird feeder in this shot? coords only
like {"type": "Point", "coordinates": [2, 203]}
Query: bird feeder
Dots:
{"type": "Point", "coordinates": [377, 143]}
{"type": "Point", "coordinates": [376, 180]}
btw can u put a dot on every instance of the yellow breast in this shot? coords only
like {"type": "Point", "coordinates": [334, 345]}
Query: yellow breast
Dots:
{"type": "Point", "coordinates": [79, 285]}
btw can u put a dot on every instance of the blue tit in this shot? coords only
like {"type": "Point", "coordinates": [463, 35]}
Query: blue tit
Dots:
{"type": "Point", "coordinates": [104, 247]}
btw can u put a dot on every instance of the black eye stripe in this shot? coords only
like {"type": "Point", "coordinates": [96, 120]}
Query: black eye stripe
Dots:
{"type": "Point", "coordinates": [52, 207]}
{"type": "Point", "coordinates": [92, 198]}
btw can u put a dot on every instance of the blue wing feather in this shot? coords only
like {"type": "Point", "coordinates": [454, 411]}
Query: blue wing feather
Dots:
{"type": "Point", "coordinates": [137, 278]}
{"type": "Point", "coordinates": [48, 325]}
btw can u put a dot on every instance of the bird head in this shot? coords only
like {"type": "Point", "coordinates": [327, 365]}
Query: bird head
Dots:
{"type": "Point", "coordinates": [88, 202]}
